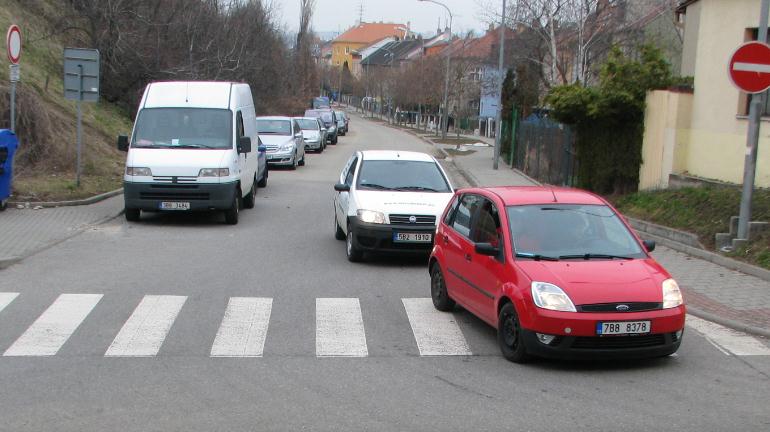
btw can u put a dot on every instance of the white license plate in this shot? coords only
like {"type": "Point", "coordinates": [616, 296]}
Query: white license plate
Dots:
{"type": "Point", "coordinates": [174, 205]}
{"type": "Point", "coordinates": [622, 327]}
{"type": "Point", "coordinates": [413, 237]}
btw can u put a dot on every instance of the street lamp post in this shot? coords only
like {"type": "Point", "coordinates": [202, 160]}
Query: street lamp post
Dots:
{"type": "Point", "coordinates": [444, 124]}
{"type": "Point", "coordinates": [501, 77]}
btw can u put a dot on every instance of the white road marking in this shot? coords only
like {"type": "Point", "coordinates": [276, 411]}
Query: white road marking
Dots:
{"type": "Point", "coordinates": [751, 67]}
{"type": "Point", "coordinates": [727, 340]}
{"type": "Point", "coordinates": [436, 332]}
{"type": "Point", "coordinates": [52, 329]}
{"type": "Point", "coordinates": [146, 328]}
{"type": "Point", "coordinates": [244, 328]}
{"type": "Point", "coordinates": [6, 298]}
{"type": "Point", "coordinates": [339, 330]}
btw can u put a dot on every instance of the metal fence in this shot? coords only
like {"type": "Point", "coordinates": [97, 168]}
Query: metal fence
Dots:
{"type": "Point", "coordinates": [545, 150]}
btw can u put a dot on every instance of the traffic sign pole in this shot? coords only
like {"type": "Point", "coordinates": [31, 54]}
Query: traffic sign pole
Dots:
{"type": "Point", "coordinates": [752, 138]}
{"type": "Point", "coordinates": [13, 49]}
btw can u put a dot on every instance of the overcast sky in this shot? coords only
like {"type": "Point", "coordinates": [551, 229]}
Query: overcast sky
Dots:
{"type": "Point", "coordinates": [339, 15]}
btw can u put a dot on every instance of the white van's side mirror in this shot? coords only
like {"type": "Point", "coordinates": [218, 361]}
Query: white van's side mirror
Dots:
{"type": "Point", "coordinates": [244, 145]}
{"type": "Point", "coordinates": [123, 143]}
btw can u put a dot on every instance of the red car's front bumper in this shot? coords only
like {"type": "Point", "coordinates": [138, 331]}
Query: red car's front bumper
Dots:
{"type": "Point", "coordinates": [576, 334]}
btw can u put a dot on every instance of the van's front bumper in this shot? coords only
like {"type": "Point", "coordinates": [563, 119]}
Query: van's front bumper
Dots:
{"type": "Point", "coordinates": [201, 196]}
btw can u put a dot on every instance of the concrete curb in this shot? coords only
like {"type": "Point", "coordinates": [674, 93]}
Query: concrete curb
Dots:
{"type": "Point", "coordinates": [86, 201]}
{"type": "Point", "coordinates": [710, 256]}
{"type": "Point", "coordinates": [7, 262]}
{"type": "Point", "coordinates": [746, 328]}
{"type": "Point", "coordinates": [672, 234]}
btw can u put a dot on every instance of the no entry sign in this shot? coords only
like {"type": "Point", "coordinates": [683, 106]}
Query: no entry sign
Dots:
{"type": "Point", "coordinates": [13, 43]}
{"type": "Point", "coordinates": [750, 67]}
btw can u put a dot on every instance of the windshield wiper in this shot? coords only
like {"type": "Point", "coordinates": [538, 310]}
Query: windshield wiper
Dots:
{"type": "Point", "coordinates": [419, 188]}
{"type": "Point", "coordinates": [191, 146]}
{"type": "Point", "coordinates": [375, 186]}
{"type": "Point", "coordinates": [536, 257]}
{"type": "Point", "coordinates": [589, 256]}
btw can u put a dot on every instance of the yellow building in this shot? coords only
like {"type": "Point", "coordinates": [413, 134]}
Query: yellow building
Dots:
{"type": "Point", "coordinates": [703, 133]}
{"type": "Point", "coordinates": [361, 36]}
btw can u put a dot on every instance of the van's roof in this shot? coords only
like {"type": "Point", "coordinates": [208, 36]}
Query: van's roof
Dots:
{"type": "Point", "coordinates": [195, 94]}
{"type": "Point", "coordinates": [274, 118]}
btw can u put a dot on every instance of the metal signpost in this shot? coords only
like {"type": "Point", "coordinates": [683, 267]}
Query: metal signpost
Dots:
{"type": "Point", "coordinates": [81, 84]}
{"type": "Point", "coordinates": [750, 72]}
{"type": "Point", "coordinates": [13, 47]}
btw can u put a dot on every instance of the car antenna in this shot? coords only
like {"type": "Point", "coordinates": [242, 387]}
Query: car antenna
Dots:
{"type": "Point", "coordinates": [187, 92]}
{"type": "Point", "coordinates": [554, 196]}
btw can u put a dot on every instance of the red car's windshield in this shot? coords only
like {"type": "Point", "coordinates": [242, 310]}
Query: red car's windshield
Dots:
{"type": "Point", "coordinates": [562, 231]}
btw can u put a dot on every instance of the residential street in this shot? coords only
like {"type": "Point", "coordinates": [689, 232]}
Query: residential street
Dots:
{"type": "Point", "coordinates": [180, 322]}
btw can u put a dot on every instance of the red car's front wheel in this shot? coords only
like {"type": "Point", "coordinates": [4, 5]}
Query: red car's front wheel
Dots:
{"type": "Point", "coordinates": [509, 335]}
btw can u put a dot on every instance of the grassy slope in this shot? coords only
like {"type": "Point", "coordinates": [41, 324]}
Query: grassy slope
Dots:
{"type": "Point", "coordinates": [42, 61]}
{"type": "Point", "coordinates": [702, 211]}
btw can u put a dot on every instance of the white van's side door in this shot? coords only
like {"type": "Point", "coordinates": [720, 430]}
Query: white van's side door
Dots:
{"type": "Point", "coordinates": [246, 173]}
{"type": "Point", "coordinates": [343, 198]}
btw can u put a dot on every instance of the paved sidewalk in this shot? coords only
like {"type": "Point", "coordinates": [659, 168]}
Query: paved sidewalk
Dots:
{"type": "Point", "coordinates": [711, 291]}
{"type": "Point", "coordinates": [24, 232]}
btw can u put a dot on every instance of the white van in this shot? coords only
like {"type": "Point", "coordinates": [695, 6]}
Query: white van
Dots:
{"type": "Point", "coordinates": [191, 150]}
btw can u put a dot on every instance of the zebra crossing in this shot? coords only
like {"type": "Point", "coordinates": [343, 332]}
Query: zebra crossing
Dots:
{"type": "Point", "coordinates": [339, 328]}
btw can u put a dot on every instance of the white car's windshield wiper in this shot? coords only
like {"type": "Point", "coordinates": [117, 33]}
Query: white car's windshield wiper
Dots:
{"type": "Point", "coordinates": [536, 257]}
{"type": "Point", "coordinates": [374, 186]}
{"type": "Point", "coordinates": [418, 188]}
{"type": "Point", "coordinates": [589, 256]}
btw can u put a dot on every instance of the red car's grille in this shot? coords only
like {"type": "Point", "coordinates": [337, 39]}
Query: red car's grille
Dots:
{"type": "Point", "coordinates": [620, 307]}
{"type": "Point", "coordinates": [619, 342]}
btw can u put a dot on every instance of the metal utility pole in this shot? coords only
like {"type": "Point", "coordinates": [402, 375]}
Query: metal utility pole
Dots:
{"type": "Point", "coordinates": [752, 141]}
{"type": "Point", "coordinates": [501, 78]}
{"type": "Point", "coordinates": [444, 123]}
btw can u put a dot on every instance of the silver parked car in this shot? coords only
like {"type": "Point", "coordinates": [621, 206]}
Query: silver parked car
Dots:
{"type": "Point", "coordinates": [283, 139]}
{"type": "Point", "coordinates": [342, 124]}
{"type": "Point", "coordinates": [313, 133]}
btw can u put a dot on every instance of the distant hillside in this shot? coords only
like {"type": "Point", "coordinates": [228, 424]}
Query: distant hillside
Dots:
{"type": "Point", "coordinates": [45, 164]}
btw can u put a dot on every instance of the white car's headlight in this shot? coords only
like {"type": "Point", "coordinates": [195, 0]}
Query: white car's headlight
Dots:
{"type": "Point", "coordinates": [287, 147]}
{"type": "Point", "coordinates": [332, 128]}
{"type": "Point", "coordinates": [214, 172]}
{"type": "Point", "coordinates": [549, 296]}
{"type": "Point", "coordinates": [672, 296]}
{"type": "Point", "coordinates": [137, 171]}
{"type": "Point", "coordinates": [371, 216]}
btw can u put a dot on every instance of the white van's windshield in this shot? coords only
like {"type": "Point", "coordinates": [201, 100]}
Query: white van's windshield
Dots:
{"type": "Point", "coordinates": [203, 128]}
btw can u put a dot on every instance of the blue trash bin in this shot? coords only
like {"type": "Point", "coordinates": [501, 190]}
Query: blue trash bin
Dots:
{"type": "Point", "coordinates": [8, 146]}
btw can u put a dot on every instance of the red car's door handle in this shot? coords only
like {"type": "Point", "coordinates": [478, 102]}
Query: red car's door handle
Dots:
{"type": "Point", "coordinates": [446, 239]}
{"type": "Point", "coordinates": [468, 257]}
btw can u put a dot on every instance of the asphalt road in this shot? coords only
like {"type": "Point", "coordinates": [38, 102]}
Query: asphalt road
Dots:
{"type": "Point", "coordinates": [284, 250]}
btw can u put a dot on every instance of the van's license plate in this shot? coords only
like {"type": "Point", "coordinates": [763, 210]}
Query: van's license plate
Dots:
{"type": "Point", "coordinates": [413, 237]}
{"type": "Point", "coordinates": [174, 205]}
{"type": "Point", "coordinates": [622, 327]}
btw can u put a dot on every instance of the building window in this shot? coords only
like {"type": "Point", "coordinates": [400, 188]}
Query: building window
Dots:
{"type": "Point", "coordinates": [347, 50]}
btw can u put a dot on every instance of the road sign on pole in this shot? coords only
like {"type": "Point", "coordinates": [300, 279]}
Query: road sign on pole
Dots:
{"type": "Point", "coordinates": [750, 71]}
{"type": "Point", "coordinates": [750, 67]}
{"type": "Point", "coordinates": [81, 84]}
{"type": "Point", "coordinates": [13, 49]}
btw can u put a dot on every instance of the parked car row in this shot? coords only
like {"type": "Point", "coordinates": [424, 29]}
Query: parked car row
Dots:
{"type": "Point", "coordinates": [557, 271]}
{"type": "Point", "coordinates": [199, 146]}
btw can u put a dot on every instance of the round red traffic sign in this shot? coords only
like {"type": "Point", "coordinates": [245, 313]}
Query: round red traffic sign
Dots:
{"type": "Point", "coordinates": [13, 43]}
{"type": "Point", "coordinates": [750, 67]}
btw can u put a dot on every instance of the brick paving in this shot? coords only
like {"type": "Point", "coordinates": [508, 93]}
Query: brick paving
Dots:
{"type": "Point", "coordinates": [25, 231]}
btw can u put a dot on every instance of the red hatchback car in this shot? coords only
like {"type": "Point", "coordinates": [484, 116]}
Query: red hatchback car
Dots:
{"type": "Point", "coordinates": [557, 271]}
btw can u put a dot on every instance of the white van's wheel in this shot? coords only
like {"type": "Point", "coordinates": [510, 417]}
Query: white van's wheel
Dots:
{"type": "Point", "coordinates": [231, 214]}
{"type": "Point", "coordinates": [250, 199]}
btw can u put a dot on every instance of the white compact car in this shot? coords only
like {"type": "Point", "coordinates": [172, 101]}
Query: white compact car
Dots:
{"type": "Point", "coordinates": [313, 133]}
{"type": "Point", "coordinates": [389, 201]}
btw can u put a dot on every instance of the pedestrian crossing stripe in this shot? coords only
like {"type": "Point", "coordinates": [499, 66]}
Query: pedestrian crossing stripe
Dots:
{"type": "Point", "coordinates": [52, 329]}
{"type": "Point", "coordinates": [6, 298]}
{"type": "Point", "coordinates": [340, 330]}
{"type": "Point", "coordinates": [146, 328]}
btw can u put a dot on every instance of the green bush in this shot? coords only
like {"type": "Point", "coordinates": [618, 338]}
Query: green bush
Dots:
{"type": "Point", "coordinates": [609, 118]}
